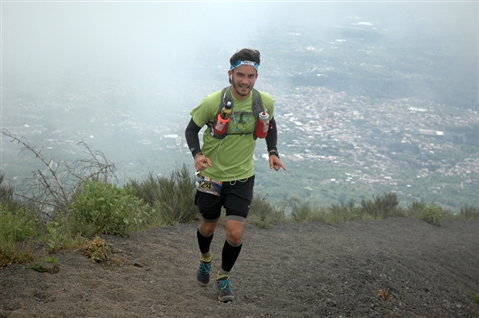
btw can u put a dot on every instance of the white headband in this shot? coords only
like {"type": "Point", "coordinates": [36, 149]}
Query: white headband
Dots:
{"type": "Point", "coordinates": [239, 63]}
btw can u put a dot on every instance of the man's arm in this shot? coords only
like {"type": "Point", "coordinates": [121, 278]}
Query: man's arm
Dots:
{"type": "Point", "coordinates": [271, 140]}
{"type": "Point", "coordinates": [191, 134]}
{"type": "Point", "coordinates": [192, 139]}
{"type": "Point", "coordinates": [272, 136]}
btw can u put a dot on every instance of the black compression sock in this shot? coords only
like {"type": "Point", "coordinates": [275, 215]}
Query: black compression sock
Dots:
{"type": "Point", "coordinates": [204, 242]}
{"type": "Point", "coordinates": [229, 255]}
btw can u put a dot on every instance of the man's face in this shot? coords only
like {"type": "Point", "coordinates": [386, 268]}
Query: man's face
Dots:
{"type": "Point", "coordinates": [243, 79]}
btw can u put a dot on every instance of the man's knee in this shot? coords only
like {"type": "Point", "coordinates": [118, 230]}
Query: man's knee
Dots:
{"type": "Point", "coordinates": [207, 228]}
{"type": "Point", "coordinates": [234, 231]}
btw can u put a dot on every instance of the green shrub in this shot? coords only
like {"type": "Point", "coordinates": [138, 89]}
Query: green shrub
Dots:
{"type": "Point", "coordinates": [432, 214]}
{"type": "Point", "coordinates": [415, 209]}
{"type": "Point", "coordinates": [263, 214]}
{"type": "Point", "coordinates": [48, 264]}
{"type": "Point", "coordinates": [338, 213]}
{"type": "Point", "coordinates": [381, 207]}
{"type": "Point", "coordinates": [171, 198]}
{"type": "Point", "coordinates": [105, 208]}
{"type": "Point", "coordinates": [62, 233]}
{"type": "Point", "coordinates": [302, 212]}
{"type": "Point", "coordinates": [469, 212]}
{"type": "Point", "coordinates": [7, 200]}
{"type": "Point", "coordinates": [332, 215]}
{"type": "Point", "coordinates": [15, 226]}
{"type": "Point", "coordinates": [335, 214]}
{"type": "Point", "coordinates": [97, 250]}
{"type": "Point", "coordinates": [6, 190]}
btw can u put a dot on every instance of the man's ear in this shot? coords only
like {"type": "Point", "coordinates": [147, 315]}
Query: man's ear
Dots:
{"type": "Point", "coordinates": [230, 75]}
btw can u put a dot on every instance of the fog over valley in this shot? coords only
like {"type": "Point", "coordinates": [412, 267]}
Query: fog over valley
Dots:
{"type": "Point", "coordinates": [370, 97]}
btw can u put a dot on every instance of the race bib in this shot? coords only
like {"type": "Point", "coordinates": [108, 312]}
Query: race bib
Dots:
{"type": "Point", "coordinates": [208, 185]}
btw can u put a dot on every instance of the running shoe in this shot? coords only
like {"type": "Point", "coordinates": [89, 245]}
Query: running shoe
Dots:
{"type": "Point", "coordinates": [203, 274]}
{"type": "Point", "coordinates": [223, 286]}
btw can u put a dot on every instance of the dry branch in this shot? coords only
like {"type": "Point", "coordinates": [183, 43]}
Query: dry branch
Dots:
{"type": "Point", "coordinates": [47, 190]}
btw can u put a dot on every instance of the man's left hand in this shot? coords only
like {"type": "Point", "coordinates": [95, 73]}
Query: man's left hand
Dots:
{"type": "Point", "coordinates": [275, 163]}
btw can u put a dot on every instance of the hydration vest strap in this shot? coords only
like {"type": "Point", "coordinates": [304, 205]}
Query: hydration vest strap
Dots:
{"type": "Point", "coordinates": [256, 105]}
{"type": "Point", "coordinates": [258, 108]}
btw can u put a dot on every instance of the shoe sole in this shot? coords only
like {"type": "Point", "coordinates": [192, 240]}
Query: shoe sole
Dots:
{"type": "Point", "coordinates": [226, 298]}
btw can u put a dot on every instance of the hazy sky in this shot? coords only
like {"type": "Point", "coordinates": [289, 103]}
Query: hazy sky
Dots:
{"type": "Point", "coordinates": [162, 43]}
{"type": "Point", "coordinates": [151, 39]}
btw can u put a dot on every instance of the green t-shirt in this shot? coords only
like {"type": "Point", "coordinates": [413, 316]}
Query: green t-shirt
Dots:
{"type": "Point", "coordinates": [231, 157]}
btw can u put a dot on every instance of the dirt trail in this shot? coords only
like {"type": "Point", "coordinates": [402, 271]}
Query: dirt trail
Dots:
{"type": "Point", "coordinates": [292, 270]}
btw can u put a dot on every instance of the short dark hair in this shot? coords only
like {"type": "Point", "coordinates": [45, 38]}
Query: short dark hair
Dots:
{"type": "Point", "coordinates": [246, 55]}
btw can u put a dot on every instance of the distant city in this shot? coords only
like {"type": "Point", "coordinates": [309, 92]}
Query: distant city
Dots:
{"type": "Point", "coordinates": [377, 140]}
{"type": "Point", "coordinates": [338, 132]}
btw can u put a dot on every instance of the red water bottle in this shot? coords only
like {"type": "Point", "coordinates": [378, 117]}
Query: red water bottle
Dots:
{"type": "Point", "coordinates": [263, 125]}
{"type": "Point", "coordinates": [221, 125]}
{"type": "Point", "coordinates": [223, 119]}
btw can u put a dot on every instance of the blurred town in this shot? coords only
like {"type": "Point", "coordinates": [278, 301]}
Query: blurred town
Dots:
{"type": "Point", "coordinates": [376, 142]}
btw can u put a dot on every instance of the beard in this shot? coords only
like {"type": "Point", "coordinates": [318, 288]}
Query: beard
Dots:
{"type": "Point", "coordinates": [242, 90]}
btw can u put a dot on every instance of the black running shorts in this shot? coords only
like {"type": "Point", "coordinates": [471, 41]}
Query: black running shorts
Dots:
{"type": "Point", "coordinates": [236, 197]}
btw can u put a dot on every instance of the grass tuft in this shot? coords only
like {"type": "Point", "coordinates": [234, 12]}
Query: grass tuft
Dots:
{"type": "Point", "coordinates": [469, 212]}
{"type": "Point", "coordinates": [475, 298]}
{"type": "Point", "coordinates": [263, 214]}
{"type": "Point", "coordinates": [172, 199]}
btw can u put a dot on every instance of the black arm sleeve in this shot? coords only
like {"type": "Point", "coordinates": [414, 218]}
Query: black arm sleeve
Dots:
{"type": "Point", "coordinates": [272, 137]}
{"type": "Point", "coordinates": [192, 139]}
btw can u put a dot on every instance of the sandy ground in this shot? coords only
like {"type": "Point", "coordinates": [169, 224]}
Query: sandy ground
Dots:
{"type": "Point", "coordinates": [293, 270]}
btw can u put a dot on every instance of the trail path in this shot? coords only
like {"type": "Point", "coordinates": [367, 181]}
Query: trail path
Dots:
{"type": "Point", "coordinates": [293, 270]}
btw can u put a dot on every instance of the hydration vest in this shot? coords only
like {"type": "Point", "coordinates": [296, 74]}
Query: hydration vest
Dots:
{"type": "Point", "coordinates": [256, 105]}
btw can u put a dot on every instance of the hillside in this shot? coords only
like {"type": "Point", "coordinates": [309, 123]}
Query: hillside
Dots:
{"type": "Point", "coordinates": [292, 270]}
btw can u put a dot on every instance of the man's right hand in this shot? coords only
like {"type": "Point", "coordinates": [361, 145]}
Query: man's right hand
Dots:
{"type": "Point", "coordinates": [202, 162]}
